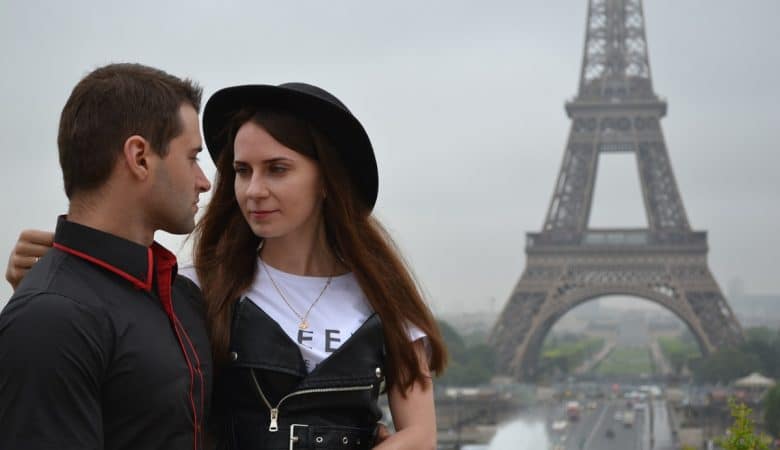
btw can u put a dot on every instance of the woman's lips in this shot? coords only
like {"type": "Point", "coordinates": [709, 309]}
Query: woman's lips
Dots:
{"type": "Point", "coordinates": [261, 214]}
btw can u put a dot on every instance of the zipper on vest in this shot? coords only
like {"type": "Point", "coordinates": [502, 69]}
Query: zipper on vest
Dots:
{"type": "Point", "coordinates": [274, 411]}
{"type": "Point", "coordinates": [274, 420]}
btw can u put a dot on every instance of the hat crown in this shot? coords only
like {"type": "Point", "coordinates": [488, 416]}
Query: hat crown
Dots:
{"type": "Point", "coordinates": [316, 91]}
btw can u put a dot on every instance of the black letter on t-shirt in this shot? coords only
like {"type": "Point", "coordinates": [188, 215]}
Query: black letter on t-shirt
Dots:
{"type": "Point", "coordinates": [302, 338]}
{"type": "Point", "coordinates": [329, 339]}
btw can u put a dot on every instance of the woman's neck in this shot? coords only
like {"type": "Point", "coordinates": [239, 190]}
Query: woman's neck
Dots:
{"type": "Point", "coordinates": [302, 255]}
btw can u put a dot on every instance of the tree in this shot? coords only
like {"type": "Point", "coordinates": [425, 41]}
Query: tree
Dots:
{"type": "Point", "coordinates": [763, 343]}
{"type": "Point", "coordinates": [741, 435]}
{"type": "Point", "coordinates": [725, 365]}
{"type": "Point", "coordinates": [772, 411]}
{"type": "Point", "coordinates": [679, 350]}
{"type": "Point", "coordinates": [468, 365]}
{"type": "Point", "coordinates": [760, 352]}
{"type": "Point", "coordinates": [454, 342]}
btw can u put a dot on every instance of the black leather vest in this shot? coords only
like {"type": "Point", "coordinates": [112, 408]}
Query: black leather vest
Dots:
{"type": "Point", "coordinates": [264, 399]}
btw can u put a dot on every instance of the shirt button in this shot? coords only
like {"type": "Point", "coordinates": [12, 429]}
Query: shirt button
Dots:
{"type": "Point", "coordinates": [233, 356]}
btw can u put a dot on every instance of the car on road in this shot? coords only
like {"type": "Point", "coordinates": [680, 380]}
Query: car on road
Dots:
{"type": "Point", "coordinates": [573, 410]}
{"type": "Point", "coordinates": [628, 419]}
{"type": "Point", "coordinates": [610, 433]}
{"type": "Point", "coordinates": [559, 425]}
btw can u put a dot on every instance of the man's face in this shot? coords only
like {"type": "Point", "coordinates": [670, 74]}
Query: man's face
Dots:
{"type": "Point", "coordinates": [179, 180]}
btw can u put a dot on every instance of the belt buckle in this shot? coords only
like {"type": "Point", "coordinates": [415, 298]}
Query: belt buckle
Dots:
{"type": "Point", "coordinates": [293, 438]}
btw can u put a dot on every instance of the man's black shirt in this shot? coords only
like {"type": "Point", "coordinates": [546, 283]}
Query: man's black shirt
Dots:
{"type": "Point", "coordinates": [103, 346]}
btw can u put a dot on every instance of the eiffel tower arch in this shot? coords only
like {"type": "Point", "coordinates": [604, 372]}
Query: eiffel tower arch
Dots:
{"type": "Point", "coordinates": [568, 263]}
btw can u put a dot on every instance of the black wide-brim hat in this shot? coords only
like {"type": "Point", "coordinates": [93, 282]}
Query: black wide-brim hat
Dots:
{"type": "Point", "coordinates": [319, 107]}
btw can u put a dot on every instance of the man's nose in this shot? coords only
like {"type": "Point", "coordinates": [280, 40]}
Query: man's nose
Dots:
{"type": "Point", "coordinates": [204, 185]}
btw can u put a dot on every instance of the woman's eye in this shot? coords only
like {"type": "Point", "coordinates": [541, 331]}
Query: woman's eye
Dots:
{"type": "Point", "coordinates": [278, 169]}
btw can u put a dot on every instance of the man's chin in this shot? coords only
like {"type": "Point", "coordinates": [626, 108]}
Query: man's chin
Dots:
{"type": "Point", "coordinates": [181, 228]}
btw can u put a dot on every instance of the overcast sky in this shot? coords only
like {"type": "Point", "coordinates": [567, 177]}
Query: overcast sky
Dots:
{"type": "Point", "coordinates": [463, 102]}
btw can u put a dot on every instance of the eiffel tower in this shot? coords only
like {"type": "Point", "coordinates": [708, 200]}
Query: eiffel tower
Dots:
{"type": "Point", "coordinates": [568, 263]}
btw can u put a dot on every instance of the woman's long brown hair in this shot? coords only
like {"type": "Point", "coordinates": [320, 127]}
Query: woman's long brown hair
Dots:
{"type": "Point", "coordinates": [225, 254]}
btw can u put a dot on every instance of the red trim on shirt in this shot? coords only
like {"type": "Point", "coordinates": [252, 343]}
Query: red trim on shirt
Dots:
{"type": "Point", "coordinates": [198, 372]}
{"type": "Point", "coordinates": [165, 261]}
{"type": "Point", "coordinates": [145, 285]}
{"type": "Point", "coordinates": [192, 370]}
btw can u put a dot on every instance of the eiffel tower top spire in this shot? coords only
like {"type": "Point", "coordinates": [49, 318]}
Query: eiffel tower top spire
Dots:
{"type": "Point", "coordinates": [615, 65]}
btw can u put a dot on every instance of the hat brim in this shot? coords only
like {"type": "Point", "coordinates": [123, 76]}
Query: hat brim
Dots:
{"type": "Point", "coordinates": [342, 129]}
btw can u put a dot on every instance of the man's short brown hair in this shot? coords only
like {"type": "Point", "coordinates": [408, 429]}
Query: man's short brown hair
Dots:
{"type": "Point", "coordinates": [108, 106]}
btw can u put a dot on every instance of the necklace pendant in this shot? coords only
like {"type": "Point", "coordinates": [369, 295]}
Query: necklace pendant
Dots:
{"type": "Point", "coordinates": [303, 325]}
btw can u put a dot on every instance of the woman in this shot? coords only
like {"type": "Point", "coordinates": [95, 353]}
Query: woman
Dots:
{"type": "Point", "coordinates": [310, 308]}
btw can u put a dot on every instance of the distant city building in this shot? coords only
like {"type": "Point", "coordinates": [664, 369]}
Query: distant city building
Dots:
{"type": "Point", "coordinates": [757, 310]}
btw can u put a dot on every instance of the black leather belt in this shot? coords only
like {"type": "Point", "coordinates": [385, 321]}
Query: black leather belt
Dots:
{"type": "Point", "coordinates": [311, 437]}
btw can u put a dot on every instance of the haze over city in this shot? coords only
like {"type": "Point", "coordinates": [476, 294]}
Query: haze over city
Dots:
{"type": "Point", "coordinates": [463, 102]}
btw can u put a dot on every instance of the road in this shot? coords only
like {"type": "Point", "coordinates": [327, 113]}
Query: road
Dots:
{"type": "Point", "coordinates": [590, 432]}
{"type": "Point", "coordinates": [661, 364]}
{"type": "Point", "coordinates": [591, 363]}
{"type": "Point", "coordinates": [662, 427]}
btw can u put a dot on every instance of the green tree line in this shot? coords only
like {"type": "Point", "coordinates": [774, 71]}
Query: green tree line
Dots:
{"type": "Point", "coordinates": [760, 352]}
{"type": "Point", "coordinates": [472, 361]}
{"type": "Point", "coordinates": [563, 353]}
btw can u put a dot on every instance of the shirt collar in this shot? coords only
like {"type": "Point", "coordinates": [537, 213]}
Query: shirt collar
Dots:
{"type": "Point", "coordinates": [131, 261]}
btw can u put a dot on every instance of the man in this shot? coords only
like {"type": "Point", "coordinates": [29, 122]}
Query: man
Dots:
{"type": "Point", "coordinates": [102, 345]}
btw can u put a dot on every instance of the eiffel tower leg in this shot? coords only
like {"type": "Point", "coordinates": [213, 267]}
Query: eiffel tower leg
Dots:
{"type": "Point", "coordinates": [518, 321]}
{"type": "Point", "coordinates": [708, 304]}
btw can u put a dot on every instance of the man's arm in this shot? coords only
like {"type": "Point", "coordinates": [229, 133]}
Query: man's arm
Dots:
{"type": "Point", "coordinates": [31, 245]}
{"type": "Point", "coordinates": [52, 359]}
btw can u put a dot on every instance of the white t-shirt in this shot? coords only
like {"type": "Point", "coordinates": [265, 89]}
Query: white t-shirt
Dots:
{"type": "Point", "coordinates": [341, 310]}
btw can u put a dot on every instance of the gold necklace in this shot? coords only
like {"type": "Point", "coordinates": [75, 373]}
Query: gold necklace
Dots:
{"type": "Point", "coordinates": [304, 318]}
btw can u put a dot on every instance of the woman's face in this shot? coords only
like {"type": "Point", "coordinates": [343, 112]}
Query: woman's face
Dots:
{"type": "Point", "coordinates": [279, 190]}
